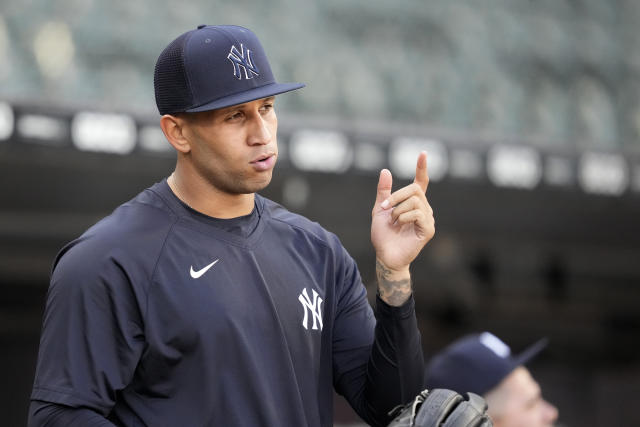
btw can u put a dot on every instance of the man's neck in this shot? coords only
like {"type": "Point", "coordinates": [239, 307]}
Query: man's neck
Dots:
{"type": "Point", "coordinates": [202, 197]}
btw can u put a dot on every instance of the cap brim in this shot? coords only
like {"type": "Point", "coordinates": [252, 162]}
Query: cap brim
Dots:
{"type": "Point", "coordinates": [531, 352]}
{"type": "Point", "coordinates": [247, 96]}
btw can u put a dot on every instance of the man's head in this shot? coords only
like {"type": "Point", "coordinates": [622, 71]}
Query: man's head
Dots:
{"type": "Point", "coordinates": [215, 91]}
{"type": "Point", "coordinates": [483, 364]}
{"type": "Point", "coordinates": [517, 402]}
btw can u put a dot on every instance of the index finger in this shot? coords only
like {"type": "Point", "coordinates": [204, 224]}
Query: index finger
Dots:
{"type": "Point", "coordinates": [422, 175]}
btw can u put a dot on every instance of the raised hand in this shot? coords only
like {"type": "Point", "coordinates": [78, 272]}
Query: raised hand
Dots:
{"type": "Point", "coordinates": [402, 224]}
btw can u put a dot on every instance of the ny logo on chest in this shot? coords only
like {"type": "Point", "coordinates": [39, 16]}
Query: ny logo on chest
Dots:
{"type": "Point", "coordinates": [313, 306]}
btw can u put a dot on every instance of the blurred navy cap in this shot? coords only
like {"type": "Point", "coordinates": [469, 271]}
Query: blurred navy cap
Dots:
{"type": "Point", "coordinates": [214, 67]}
{"type": "Point", "coordinates": [476, 363]}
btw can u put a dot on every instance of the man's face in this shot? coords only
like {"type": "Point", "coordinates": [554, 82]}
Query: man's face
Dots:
{"type": "Point", "coordinates": [234, 148]}
{"type": "Point", "coordinates": [517, 402]}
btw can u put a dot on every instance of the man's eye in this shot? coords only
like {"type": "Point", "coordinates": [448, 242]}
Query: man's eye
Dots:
{"type": "Point", "coordinates": [235, 116]}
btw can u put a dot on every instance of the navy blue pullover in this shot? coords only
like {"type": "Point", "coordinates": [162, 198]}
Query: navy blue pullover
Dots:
{"type": "Point", "coordinates": [161, 316]}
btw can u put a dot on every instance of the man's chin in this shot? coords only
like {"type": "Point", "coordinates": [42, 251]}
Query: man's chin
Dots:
{"type": "Point", "coordinates": [256, 186]}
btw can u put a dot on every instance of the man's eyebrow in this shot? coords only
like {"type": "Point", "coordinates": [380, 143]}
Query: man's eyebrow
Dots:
{"type": "Point", "coordinates": [240, 106]}
{"type": "Point", "coordinates": [230, 108]}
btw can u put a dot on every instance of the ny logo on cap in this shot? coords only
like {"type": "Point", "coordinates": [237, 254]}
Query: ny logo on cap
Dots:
{"type": "Point", "coordinates": [241, 60]}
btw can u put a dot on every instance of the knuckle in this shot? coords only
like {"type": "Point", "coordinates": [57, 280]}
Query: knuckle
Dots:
{"type": "Point", "coordinates": [414, 201]}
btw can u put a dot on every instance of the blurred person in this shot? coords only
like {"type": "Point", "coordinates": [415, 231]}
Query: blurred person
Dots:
{"type": "Point", "coordinates": [483, 364]}
{"type": "Point", "coordinates": [200, 302]}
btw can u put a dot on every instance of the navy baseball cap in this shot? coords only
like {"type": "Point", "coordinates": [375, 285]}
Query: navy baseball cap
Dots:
{"type": "Point", "coordinates": [211, 67]}
{"type": "Point", "coordinates": [476, 363]}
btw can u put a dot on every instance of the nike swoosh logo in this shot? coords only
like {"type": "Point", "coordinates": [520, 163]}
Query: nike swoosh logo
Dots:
{"type": "Point", "coordinates": [197, 274]}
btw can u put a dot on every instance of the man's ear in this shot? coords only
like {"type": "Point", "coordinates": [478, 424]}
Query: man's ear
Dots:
{"type": "Point", "coordinates": [173, 128]}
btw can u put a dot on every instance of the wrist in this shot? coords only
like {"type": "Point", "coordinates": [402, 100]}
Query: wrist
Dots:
{"type": "Point", "coordinates": [394, 285]}
{"type": "Point", "coordinates": [393, 273]}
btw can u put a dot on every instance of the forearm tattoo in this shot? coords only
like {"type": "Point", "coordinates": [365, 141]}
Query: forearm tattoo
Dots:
{"type": "Point", "coordinates": [394, 292]}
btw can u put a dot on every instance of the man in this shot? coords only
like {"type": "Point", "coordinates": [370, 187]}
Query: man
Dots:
{"type": "Point", "coordinates": [201, 303]}
{"type": "Point", "coordinates": [483, 364]}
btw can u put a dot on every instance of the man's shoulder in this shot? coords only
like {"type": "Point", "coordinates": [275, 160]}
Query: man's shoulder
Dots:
{"type": "Point", "coordinates": [136, 227]}
{"type": "Point", "coordinates": [298, 223]}
{"type": "Point", "coordinates": [145, 213]}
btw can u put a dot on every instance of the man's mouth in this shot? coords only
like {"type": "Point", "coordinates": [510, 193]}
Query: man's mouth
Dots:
{"type": "Point", "coordinates": [264, 162]}
{"type": "Point", "coordinates": [262, 158]}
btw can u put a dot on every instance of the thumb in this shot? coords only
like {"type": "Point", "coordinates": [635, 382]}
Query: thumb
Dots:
{"type": "Point", "coordinates": [384, 186]}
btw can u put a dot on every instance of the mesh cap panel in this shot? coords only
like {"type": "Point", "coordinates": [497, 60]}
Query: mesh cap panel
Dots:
{"type": "Point", "coordinates": [172, 90]}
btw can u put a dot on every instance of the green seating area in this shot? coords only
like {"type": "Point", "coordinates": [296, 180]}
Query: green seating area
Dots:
{"type": "Point", "coordinates": [550, 72]}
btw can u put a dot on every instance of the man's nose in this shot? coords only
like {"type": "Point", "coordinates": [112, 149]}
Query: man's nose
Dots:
{"type": "Point", "coordinates": [259, 132]}
{"type": "Point", "coordinates": [551, 412]}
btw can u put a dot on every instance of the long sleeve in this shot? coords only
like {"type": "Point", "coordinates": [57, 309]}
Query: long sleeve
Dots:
{"type": "Point", "coordinates": [45, 414]}
{"type": "Point", "coordinates": [393, 374]}
{"type": "Point", "coordinates": [92, 338]}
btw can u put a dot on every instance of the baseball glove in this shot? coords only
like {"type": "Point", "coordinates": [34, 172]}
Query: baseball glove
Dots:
{"type": "Point", "coordinates": [442, 408]}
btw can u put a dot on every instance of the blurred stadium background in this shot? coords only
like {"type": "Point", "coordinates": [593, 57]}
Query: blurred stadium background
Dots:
{"type": "Point", "coordinates": [530, 111]}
